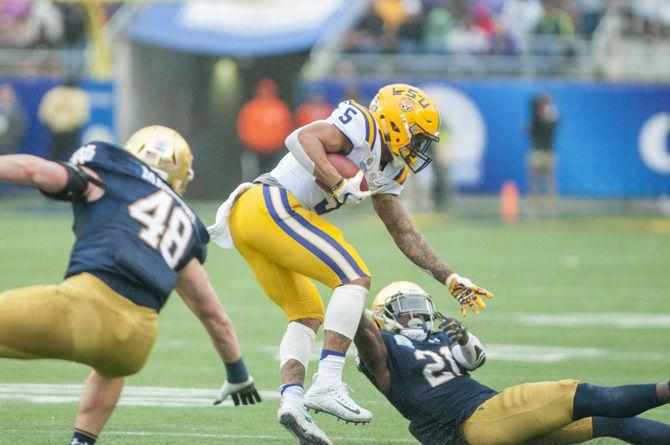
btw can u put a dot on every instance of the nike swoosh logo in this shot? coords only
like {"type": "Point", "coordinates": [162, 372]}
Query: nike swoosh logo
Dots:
{"type": "Point", "coordinates": [355, 411]}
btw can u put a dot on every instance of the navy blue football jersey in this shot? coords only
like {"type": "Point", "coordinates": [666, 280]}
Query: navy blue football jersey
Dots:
{"type": "Point", "coordinates": [429, 387]}
{"type": "Point", "coordinates": [139, 234]}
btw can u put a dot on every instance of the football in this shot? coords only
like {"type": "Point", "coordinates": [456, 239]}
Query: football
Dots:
{"type": "Point", "coordinates": [344, 166]}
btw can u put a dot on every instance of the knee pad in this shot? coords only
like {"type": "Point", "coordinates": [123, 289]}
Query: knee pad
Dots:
{"type": "Point", "coordinates": [296, 344]}
{"type": "Point", "coordinates": [345, 309]}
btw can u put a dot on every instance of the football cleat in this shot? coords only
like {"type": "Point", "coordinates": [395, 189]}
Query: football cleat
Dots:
{"type": "Point", "coordinates": [335, 400]}
{"type": "Point", "coordinates": [298, 422]}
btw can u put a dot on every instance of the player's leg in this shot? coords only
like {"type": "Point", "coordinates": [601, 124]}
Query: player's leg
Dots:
{"type": "Point", "coordinates": [298, 298]}
{"type": "Point", "coordinates": [631, 430]}
{"type": "Point", "coordinates": [328, 258]}
{"type": "Point", "coordinates": [521, 413]}
{"type": "Point", "coordinates": [272, 222]}
{"type": "Point", "coordinates": [619, 401]}
{"type": "Point", "coordinates": [533, 410]}
{"type": "Point", "coordinates": [96, 404]}
{"type": "Point", "coordinates": [32, 324]}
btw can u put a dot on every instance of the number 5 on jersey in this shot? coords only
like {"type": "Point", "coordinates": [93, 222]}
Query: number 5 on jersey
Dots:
{"type": "Point", "coordinates": [172, 238]}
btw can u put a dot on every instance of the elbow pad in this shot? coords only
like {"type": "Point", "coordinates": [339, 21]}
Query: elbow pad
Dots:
{"type": "Point", "coordinates": [295, 147]}
{"type": "Point", "coordinates": [471, 355]}
{"type": "Point", "coordinates": [77, 183]}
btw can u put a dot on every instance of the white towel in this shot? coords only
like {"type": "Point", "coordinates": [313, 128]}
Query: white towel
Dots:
{"type": "Point", "coordinates": [219, 232]}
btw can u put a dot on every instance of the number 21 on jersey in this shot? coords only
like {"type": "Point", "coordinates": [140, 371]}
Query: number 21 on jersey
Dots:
{"type": "Point", "coordinates": [166, 227]}
{"type": "Point", "coordinates": [437, 372]}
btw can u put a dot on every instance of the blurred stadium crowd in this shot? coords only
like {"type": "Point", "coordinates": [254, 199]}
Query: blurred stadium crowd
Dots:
{"type": "Point", "coordinates": [498, 27]}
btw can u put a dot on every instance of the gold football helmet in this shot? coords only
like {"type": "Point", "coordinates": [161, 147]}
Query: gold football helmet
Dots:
{"type": "Point", "coordinates": [404, 298]}
{"type": "Point", "coordinates": [166, 152]}
{"type": "Point", "coordinates": [409, 122]}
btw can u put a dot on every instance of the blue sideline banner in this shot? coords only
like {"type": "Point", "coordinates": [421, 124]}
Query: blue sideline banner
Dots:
{"type": "Point", "coordinates": [613, 139]}
{"type": "Point", "coordinates": [30, 91]}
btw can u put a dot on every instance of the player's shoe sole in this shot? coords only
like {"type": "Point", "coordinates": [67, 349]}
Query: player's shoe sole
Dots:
{"type": "Point", "coordinates": [305, 437]}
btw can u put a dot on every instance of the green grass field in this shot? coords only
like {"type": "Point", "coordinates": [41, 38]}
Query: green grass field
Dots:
{"type": "Point", "coordinates": [575, 297]}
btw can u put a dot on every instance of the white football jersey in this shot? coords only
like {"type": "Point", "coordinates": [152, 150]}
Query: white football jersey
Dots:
{"type": "Point", "coordinates": [358, 125]}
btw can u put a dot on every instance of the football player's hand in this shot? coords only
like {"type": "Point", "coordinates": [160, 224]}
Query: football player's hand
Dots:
{"type": "Point", "coordinates": [468, 295]}
{"type": "Point", "coordinates": [348, 191]}
{"type": "Point", "coordinates": [244, 393]}
{"type": "Point", "coordinates": [456, 332]}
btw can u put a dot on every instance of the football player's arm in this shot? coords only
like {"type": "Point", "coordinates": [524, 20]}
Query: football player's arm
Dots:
{"type": "Point", "coordinates": [31, 170]}
{"type": "Point", "coordinates": [372, 352]}
{"type": "Point", "coordinates": [416, 247]}
{"type": "Point", "coordinates": [310, 144]}
{"type": "Point", "coordinates": [199, 295]}
{"type": "Point", "coordinates": [408, 238]}
{"type": "Point", "coordinates": [57, 180]}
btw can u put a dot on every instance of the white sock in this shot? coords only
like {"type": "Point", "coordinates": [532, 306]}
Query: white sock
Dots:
{"type": "Point", "coordinates": [292, 393]}
{"type": "Point", "coordinates": [330, 367]}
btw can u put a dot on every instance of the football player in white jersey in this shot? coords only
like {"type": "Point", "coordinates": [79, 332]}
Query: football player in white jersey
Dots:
{"type": "Point", "coordinates": [276, 225]}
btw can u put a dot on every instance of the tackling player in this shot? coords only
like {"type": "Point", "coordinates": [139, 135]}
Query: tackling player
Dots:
{"type": "Point", "coordinates": [136, 241]}
{"type": "Point", "coordinates": [423, 369]}
{"type": "Point", "coordinates": [277, 226]}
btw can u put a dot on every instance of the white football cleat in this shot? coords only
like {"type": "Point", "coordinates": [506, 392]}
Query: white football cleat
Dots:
{"type": "Point", "coordinates": [298, 422]}
{"type": "Point", "coordinates": [335, 400]}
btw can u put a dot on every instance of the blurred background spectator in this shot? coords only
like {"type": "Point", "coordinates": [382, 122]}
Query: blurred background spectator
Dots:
{"type": "Point", "coordinates": [12, 120]}
{"type": "Point", "coordinates": [262, 125]}
{"type": "Point", "coordinates": [502, 27]}
{"type": "Point", "coordinates": [314, 108]}
{"type": "Point", "coordinates": [64, 109]}
{"type": "Point", "coordinates": [542, 132]}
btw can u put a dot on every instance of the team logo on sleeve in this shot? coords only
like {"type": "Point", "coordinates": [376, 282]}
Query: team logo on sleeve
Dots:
{"type": "Point", "coordinates": [83, 155]}
{"type": "Point", "coordinates": [367, 163]}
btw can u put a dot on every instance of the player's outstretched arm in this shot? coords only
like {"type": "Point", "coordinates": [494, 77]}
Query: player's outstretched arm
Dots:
{"type": "Point", "coordinates": [416, 247]}
{"type": "Point", "coordinates": [60, 181]}
{"type": "Point", "coordinates": [199, 295]}
{"type": "Point", "coordinates": [372, 351]}
{"type": "Point", "coordinates": [47, 175]}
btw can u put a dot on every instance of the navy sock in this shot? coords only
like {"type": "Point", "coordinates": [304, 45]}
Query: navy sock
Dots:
{"type": "Point", "coordinates": [618, 401]}
{"type": "Point", "coordinates": [82, 438]}
{"type": "Point", "coordinates": [634, 430]}
{"type": "Point", "coordinates": [236, 372]}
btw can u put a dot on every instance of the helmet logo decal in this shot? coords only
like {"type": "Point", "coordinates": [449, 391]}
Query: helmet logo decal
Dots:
{"type": "Point", "coordinates": [406, 104]}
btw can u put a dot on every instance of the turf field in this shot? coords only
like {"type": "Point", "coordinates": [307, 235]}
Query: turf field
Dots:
{"type": "Point", "coordinates": [575, 297]}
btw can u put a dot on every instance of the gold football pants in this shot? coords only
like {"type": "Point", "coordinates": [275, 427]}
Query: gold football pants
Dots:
{"type": "Point", "coordinates": [80, 320]}
{"type": "Point", "coordinates": [285, 245]}
{"type": "Point", "coordinates": [524, 412]}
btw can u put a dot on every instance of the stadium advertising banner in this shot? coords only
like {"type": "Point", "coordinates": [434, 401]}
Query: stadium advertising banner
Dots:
{"type": "Point", "coordinates": [613, 140]}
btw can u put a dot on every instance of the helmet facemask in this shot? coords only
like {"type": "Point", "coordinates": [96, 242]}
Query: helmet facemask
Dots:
{"type": "Point", "coordinates": [416, 154]}
{"type": "Point", "coordinates": [417, 309]}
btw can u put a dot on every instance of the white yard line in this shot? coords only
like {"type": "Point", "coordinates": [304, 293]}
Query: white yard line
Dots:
{"type": "Point", "coordinates": [539, 354]}
{"type": "Point", "coordinates": [132, 395]}
{"type": "Point", "coordinates": [261, 437]}
{"type": "Point", "coordinates": [619, 320]}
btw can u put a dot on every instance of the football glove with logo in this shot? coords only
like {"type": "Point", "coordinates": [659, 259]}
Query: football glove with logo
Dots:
{"type": "Point", "coordinates": [468, 295]}
{"type": "Point", "coordinates": [348, 191]}
{"type": "Point", "coordinates": [244, 393]}
{"type": "Point", "coordinates": [456, 332]}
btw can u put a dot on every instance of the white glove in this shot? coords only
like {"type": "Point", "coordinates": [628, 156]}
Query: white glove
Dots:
{"type": "Point", "coordinates": [348, 191]}
{"type": "Point", "coordinates": [467, 294]}
{"type": "Point", "coordinates": [244, 392]}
